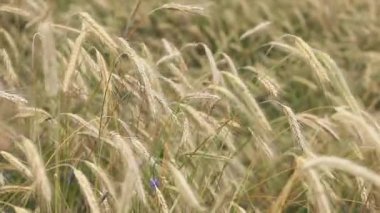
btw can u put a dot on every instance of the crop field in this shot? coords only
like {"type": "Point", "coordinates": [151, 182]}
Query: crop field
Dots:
{"type": "Point", "coordinates": [189, 106]}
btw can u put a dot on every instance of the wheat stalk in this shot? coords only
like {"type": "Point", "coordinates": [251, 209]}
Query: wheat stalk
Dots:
{"type": "Point", "coordinates": [184, 188]}
{"type": "Point", "coordinates": [50, 64]}
{"type": "Point", "coordinates": [21, 210]}
{"type": "Point", "coordinates": [11, 76]}
{"type": "Point", "coordinates": [73, 60]}
{"type": "Point", "coordinates": [249, 101]}
{"type": "Point", "coordinates": [132, 180]}
{"type": "Point", "coordinates": [344, 165]}
{"type": "Point", "coordinates": [15, 10]}
{"type": "Point", "coordinates": [161, 201]}
{"type": "Point", "coordinates": [318, 189]}
{"type": "Point", "coordinates": [13, 98]}
{"type": "Point", "coordinates": [37, 168]}
{"type": "Point", "coordinates": [17, 164]}
{"type": "Point", "coordinates": [86, 189]}
{"type": "Point", "coordinates": [99, 31]}
{"type": "Point", "coordinates": [258, 28]}
{"type": "Point", "coordinates": [193, 9]}
{"type": "Point", "coordinates": [12, 43]}
{"type": "Point", "coordinates": [142, 70]}
{"type": "Point", "coordinates": [103, 176]}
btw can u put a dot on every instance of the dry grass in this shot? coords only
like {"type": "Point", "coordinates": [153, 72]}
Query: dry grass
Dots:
{"type": "Point", "coordinates": [87, 191]}
{"type": "Point", "coordinates": [224, 106]}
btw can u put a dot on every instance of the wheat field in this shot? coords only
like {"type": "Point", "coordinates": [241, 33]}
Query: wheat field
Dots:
{"type": "Point", "coordinates": [189, 106]}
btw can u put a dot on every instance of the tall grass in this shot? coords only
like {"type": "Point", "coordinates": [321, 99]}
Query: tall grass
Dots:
{"type": "Point", "coordinates": [156, 106]}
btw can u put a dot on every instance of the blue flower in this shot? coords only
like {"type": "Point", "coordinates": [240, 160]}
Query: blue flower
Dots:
{"type": "Point", "coordinates": [154, 183]}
